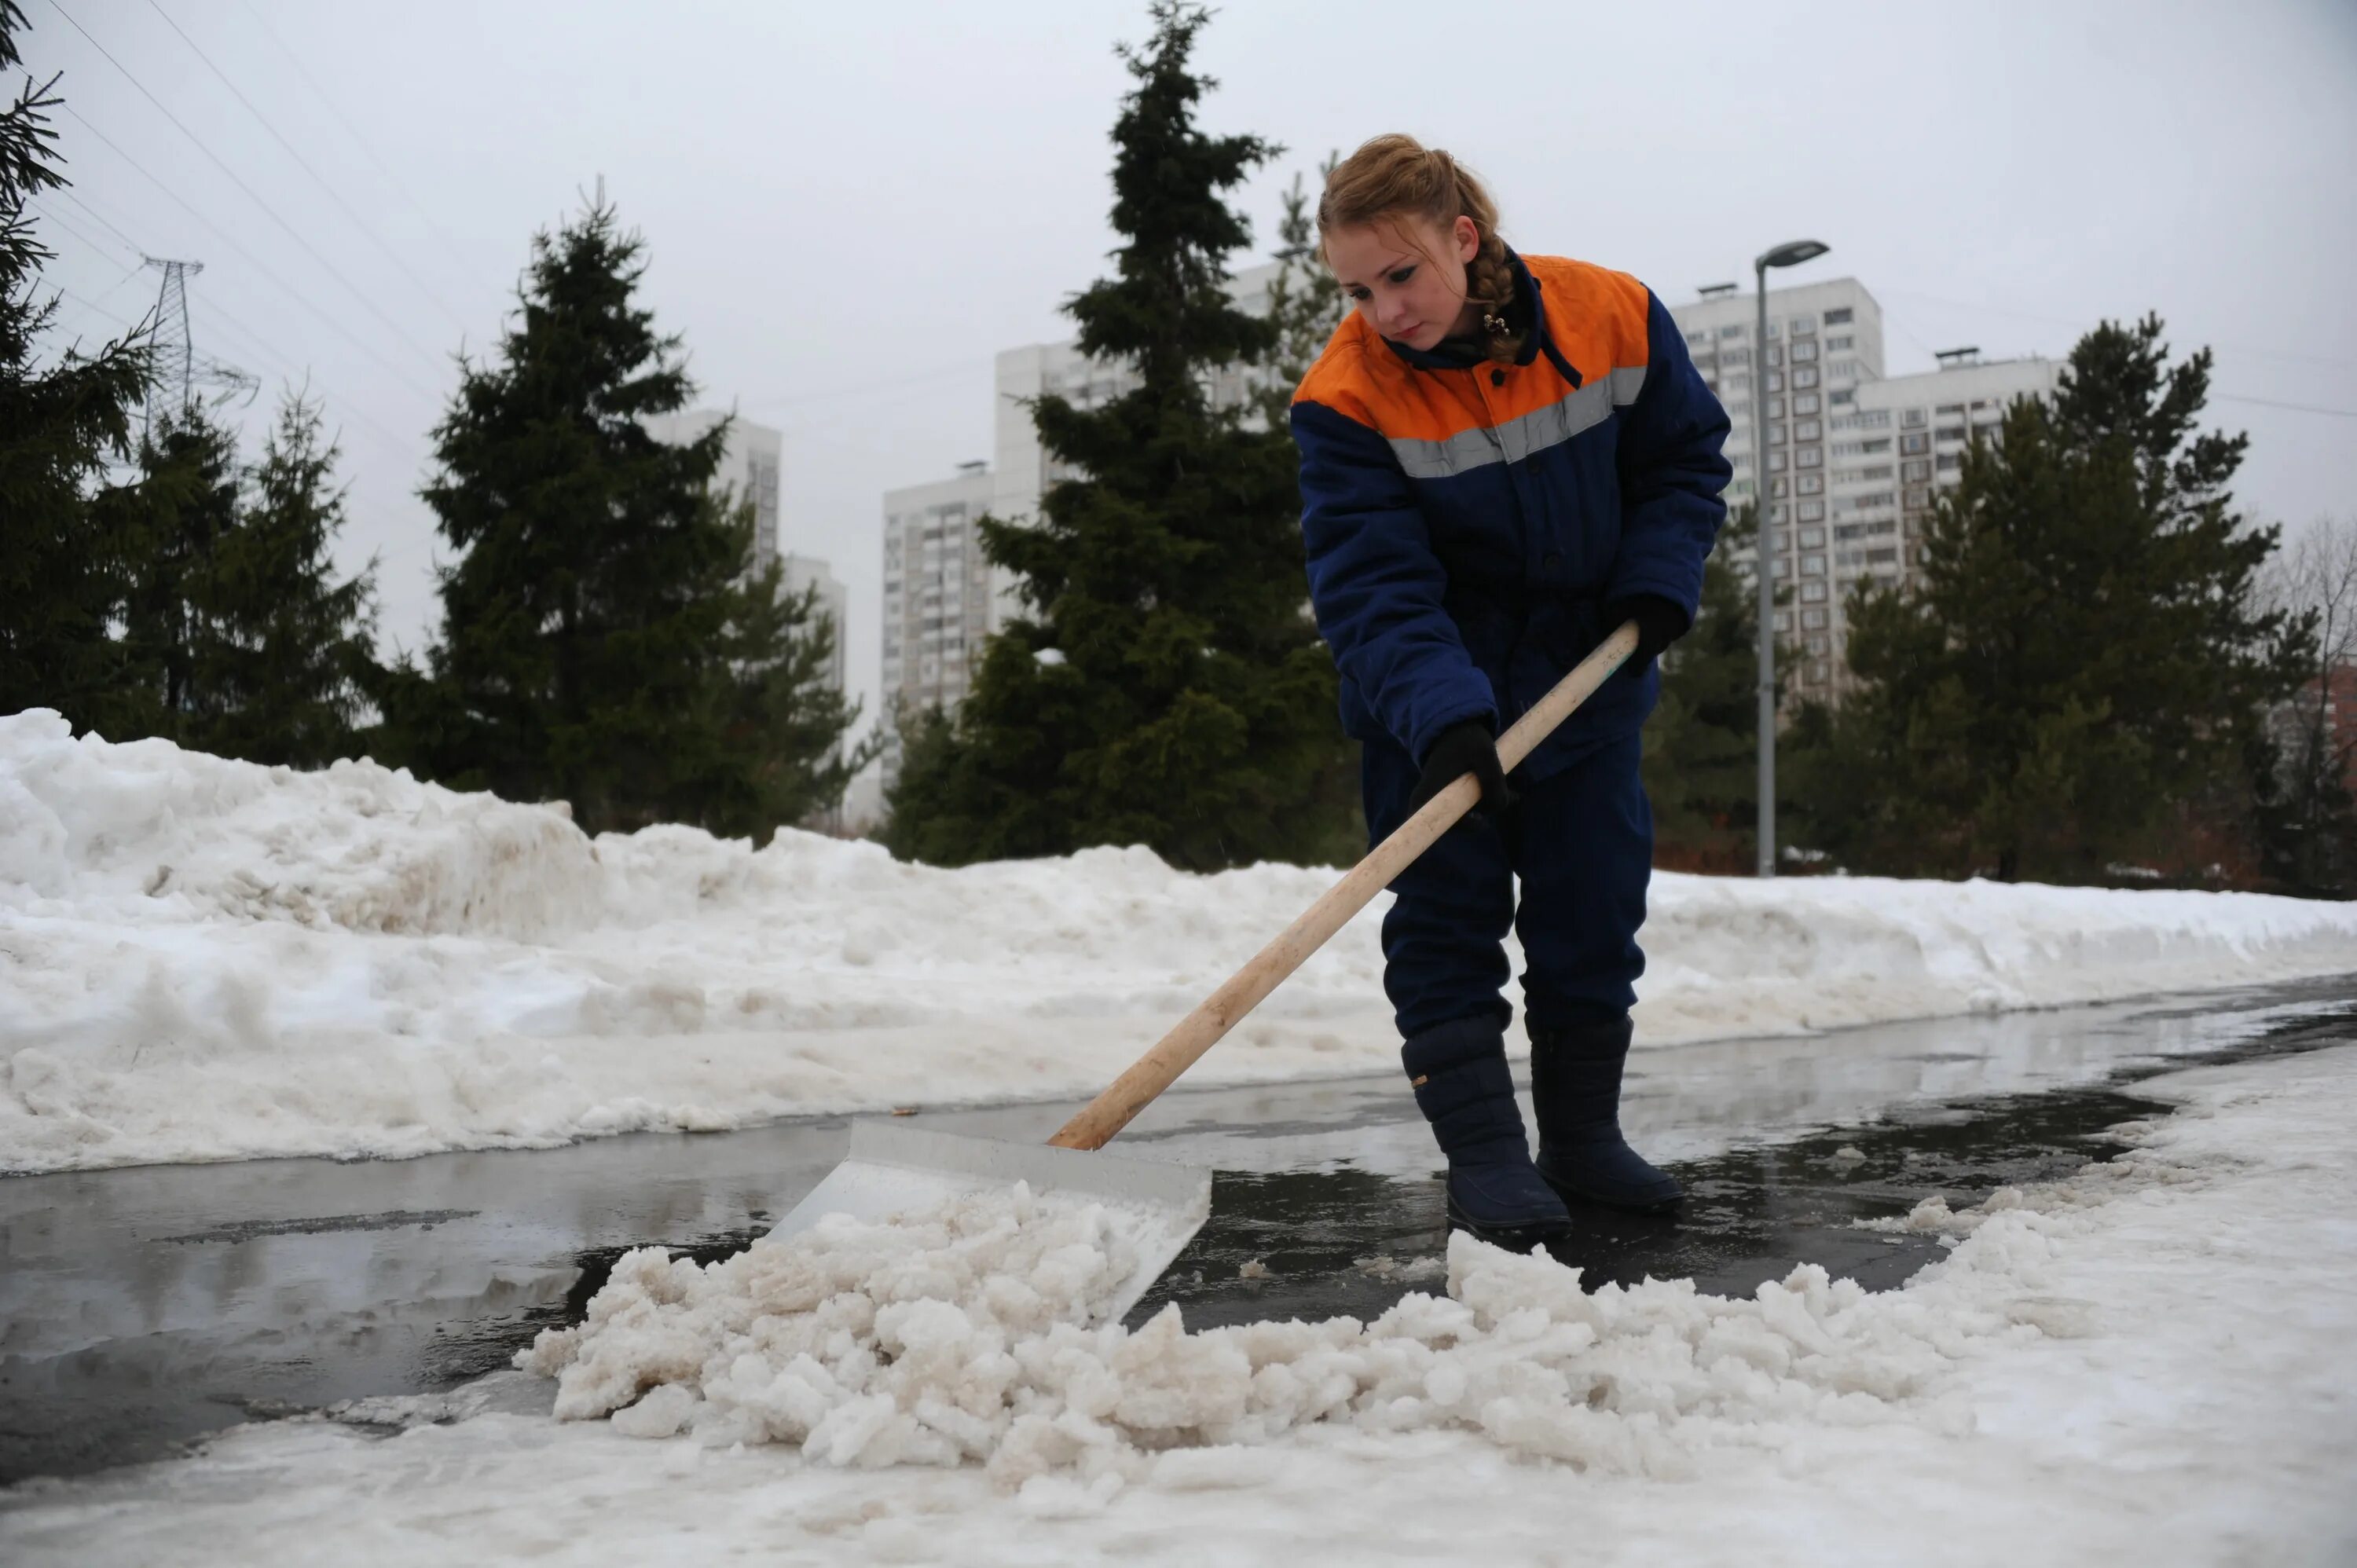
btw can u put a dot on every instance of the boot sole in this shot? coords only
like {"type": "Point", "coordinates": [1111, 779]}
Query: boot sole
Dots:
{"type": "Point", "coordinates": [1513, 1238]}
{"type": "Point", "coordinates": [1570, 1193]}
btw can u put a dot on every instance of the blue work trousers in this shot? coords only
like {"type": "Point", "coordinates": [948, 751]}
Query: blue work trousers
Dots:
{"type": "Point", "coordinates": [1581, 843]}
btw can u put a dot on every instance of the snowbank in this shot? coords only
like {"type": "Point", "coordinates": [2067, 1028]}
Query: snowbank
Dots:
{"type": "Point", "coordinates": [209, 960]}
{"type": "Point", "coordinates": [2141, 1364]}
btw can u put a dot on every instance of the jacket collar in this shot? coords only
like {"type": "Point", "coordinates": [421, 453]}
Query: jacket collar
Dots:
{"type": "Point", "coordinates": [1448, 355]}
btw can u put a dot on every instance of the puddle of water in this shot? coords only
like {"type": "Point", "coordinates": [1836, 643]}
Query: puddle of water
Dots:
{"type": "Point", "coordinates": [141, 1307]}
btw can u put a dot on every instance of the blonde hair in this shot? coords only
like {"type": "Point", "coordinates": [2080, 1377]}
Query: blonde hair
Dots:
{"type": "Point", "coordinates": [1397, 177]}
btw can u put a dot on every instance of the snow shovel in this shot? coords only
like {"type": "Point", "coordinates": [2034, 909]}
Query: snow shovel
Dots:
{"type": "Point", "coordinates": [894, 1169]}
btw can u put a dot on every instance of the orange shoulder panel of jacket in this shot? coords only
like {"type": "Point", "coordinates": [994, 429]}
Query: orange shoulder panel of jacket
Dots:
{"type": "Point", "coordinates": [1598, 316]}
{"type": "Point", "coordinates": [1344, 378]}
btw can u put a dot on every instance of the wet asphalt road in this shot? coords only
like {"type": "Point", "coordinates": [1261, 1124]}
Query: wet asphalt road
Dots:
{"type": "Point", "coordinates": [142, 1307]}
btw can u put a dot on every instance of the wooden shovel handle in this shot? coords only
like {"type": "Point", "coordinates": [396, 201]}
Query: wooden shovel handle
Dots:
{"type": "Point", "coordinates": [1199, 1031]}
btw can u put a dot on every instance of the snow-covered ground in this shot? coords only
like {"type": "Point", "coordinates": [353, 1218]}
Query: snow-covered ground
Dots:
{"type": "Point", "coordinates": [2145, 1363]}
{"type": "Point", "coordinates": [205, 960]}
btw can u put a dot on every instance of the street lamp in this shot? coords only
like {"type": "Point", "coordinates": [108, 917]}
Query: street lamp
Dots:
{"type": "Point", "coordinates": [1764, 555]}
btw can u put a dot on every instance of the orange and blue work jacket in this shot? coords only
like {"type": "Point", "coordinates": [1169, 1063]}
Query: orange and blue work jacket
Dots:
{"type": "Point", "coordinates": [1466, 520]}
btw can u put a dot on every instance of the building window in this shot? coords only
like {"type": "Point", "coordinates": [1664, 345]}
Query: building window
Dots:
{"type": "Point", "coordinates": [1775, 408]}
{"type": "Point", "coordinates": [1813, 565]}
{"type": "Point", "coordinates": [1835, 345]}
{"type": "Point", "coordinates": [1809, 457]}
{"type": "Point", "coordinates": [1915, 441]}
{"type": "Point", "coordinates": [1949, 461]}
{"type": "Point", "coordinates": [1809, 484]}
{"type": "Point", "coordinates": [1804, 352]}
{"type": "Point", "coordinates": [1813, 538]}
{"type": "Point", "coordinates": [1779, 486]}
{"type": "Point", "coordinates": [1811, 593]}
{"type": "Point", "coordinates": [1734, 332]}
{"type": "Point", "coordinates": [1813, 619]}
{"type": "Point", "coordinates": [1842, 398]}
{"type": "Point", "coordinates": [1914, 417]}
{"type": "Point", "coordinates": [1916, 472]}
{"type": "Point", "coordinates": [1775, 355]}
{"type": "Point", "coordinates": [1813, 511]}
{"type": "Point", "coordinates": [1839, 316]}
{"type": "Point", "coordinates": [1807, 403]}
{"type": "Point", "coordinates": [1775, 462]}
{"type": "Point", "coordinates": [1816, 646]}
{"type": "Point", "coordinates": [1918, 497]}
{"type": "Point", "coordinates": [1775, 435]}
{"type": "Point", "coordinates": [1703, 337]}
{"type": "Point", "coordinates": [1802, 324]}
{"type": "Point", "coordinates": [1775, 381]}
{"type": "Point", "coordinates": [1807, 430]}
{"type": "Point", "coordinates": [1806, 376]}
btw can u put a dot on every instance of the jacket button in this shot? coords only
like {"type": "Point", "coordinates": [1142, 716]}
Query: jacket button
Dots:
{"type": "Point", "coordinates": [1497, 378]}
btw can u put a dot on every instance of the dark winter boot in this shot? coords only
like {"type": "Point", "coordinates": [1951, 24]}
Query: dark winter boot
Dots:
{"type": "Point", "coordinates": [1576, 1091]}
{"type": "Point", "coordinates": [1459, 1073]}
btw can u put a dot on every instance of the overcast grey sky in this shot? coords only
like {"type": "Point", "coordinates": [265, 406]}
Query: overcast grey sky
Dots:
{"type": "Point", "coordinates": [850, 209]}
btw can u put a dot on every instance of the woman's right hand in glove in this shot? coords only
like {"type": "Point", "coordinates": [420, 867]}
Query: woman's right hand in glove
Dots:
{"type": "Point", "coordinates": [1463, 749]}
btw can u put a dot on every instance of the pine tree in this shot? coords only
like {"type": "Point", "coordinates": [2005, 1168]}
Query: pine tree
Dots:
{"type": "Point", "coordinates": [188, 503]}
{"type": "Point", "coordinates": [1304, 303]}
{"type": "Point", "coordinates": [1701, 744]}
{"type": "Point", "coordinates": [2086, 656]}
{"type": "Point", "coordinates": [62, 424]}
{"type": "Point", "coordinates": [2308, 752]}
{"type": "Point", "coordinates": [603, 640]}
{"type": "Point", "coordinates": [1167, 686]}
{"type": "Point", "coordinates": [282, 653]}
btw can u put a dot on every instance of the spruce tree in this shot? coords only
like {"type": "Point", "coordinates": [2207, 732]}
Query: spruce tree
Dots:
{"type": "Point", "coordinates": [1166, 685]}
{"type": "Point", "coordinates": [187, 503]}
{"type": "Point", "coordinates": [63, 423]}
{"type": "Point", "coordinates": [1701, 744]}
{"type": "Point", "coordinates": [603, 640]}
{"type": "Point", "coordinates": [282, 652]}
{"type": "Point", "coordinates": [2086, 655]}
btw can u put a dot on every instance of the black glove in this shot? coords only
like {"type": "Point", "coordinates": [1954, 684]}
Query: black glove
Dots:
{"type": "Point", "coordinates": [1660, 622]}
{"type": "Point", "coordinates": [1463, 749]}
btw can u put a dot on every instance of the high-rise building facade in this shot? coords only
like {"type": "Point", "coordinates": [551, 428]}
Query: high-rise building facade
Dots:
{"type": "Point", "coordinates": [941, 597]}
{"type": "Point", "coordinates": [1822, 355]}
{"type": "Point", "coordinates": [752, 464]}
{"type": "Point", "coordinates": [938, 599]}
{"type": "Point", "coordinates": [1894, 449]}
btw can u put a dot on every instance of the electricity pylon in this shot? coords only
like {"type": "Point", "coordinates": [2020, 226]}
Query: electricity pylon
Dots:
{"type": "Point", "coordinates": [179, 370]}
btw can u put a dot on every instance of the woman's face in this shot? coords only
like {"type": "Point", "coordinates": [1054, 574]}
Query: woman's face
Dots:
{"type": "Point", "coordinates": [1406, 276]}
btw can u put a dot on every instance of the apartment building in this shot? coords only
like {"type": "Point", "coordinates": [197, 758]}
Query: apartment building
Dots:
{"type": "Point", "coordinates": [751, 465]}
{"type": "Point", "coordinates": [938, 599]}
{"type": "Point", "coordinates": [1822, 355]}
{"type": "Point", "coordinates": [941, 599]}
{"type": "Point", "coordinates": [1893, 449]}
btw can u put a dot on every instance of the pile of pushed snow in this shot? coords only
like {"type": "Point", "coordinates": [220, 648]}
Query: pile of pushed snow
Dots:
{"type": "Point", "coordinates": [202, 959]}
{"type": "Point", "coordinates": [959, 1336]}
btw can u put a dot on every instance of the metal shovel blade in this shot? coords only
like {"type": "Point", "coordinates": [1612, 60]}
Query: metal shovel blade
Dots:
{"type": "Point", "coordinates": [894, 1169]}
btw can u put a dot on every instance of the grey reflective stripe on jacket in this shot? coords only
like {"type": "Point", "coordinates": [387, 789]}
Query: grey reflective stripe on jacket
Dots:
{"type": "Point", "coordinates": [1580, 409]}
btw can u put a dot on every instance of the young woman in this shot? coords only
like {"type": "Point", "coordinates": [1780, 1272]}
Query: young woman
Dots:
{"type": "Point", "coordinates": [1503, 458]}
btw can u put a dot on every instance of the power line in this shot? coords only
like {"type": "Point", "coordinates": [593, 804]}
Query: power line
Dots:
{"type": "Point", "coordinates": [226, 239]}
{"type": "Point", "coordinates": [2301, 407]}
{"type": "Point", "coordinates": [353, 131]}
{"type": "Point", "coordinates": [2081, 326]}
{"type": "Point", "coordinates": [324, 183]}
{"type": "Point", "coordinates": [95, 216]}
{"type": "Point", "coordinates": [254, 195]}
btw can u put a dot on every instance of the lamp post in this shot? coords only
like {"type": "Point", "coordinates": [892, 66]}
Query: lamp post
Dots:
{"type": "Point", "coordinates": [1764, 554]}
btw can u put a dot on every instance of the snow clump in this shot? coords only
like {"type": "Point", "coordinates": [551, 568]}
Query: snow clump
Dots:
{"type": "Point", "coordinates": [962, 1335]}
